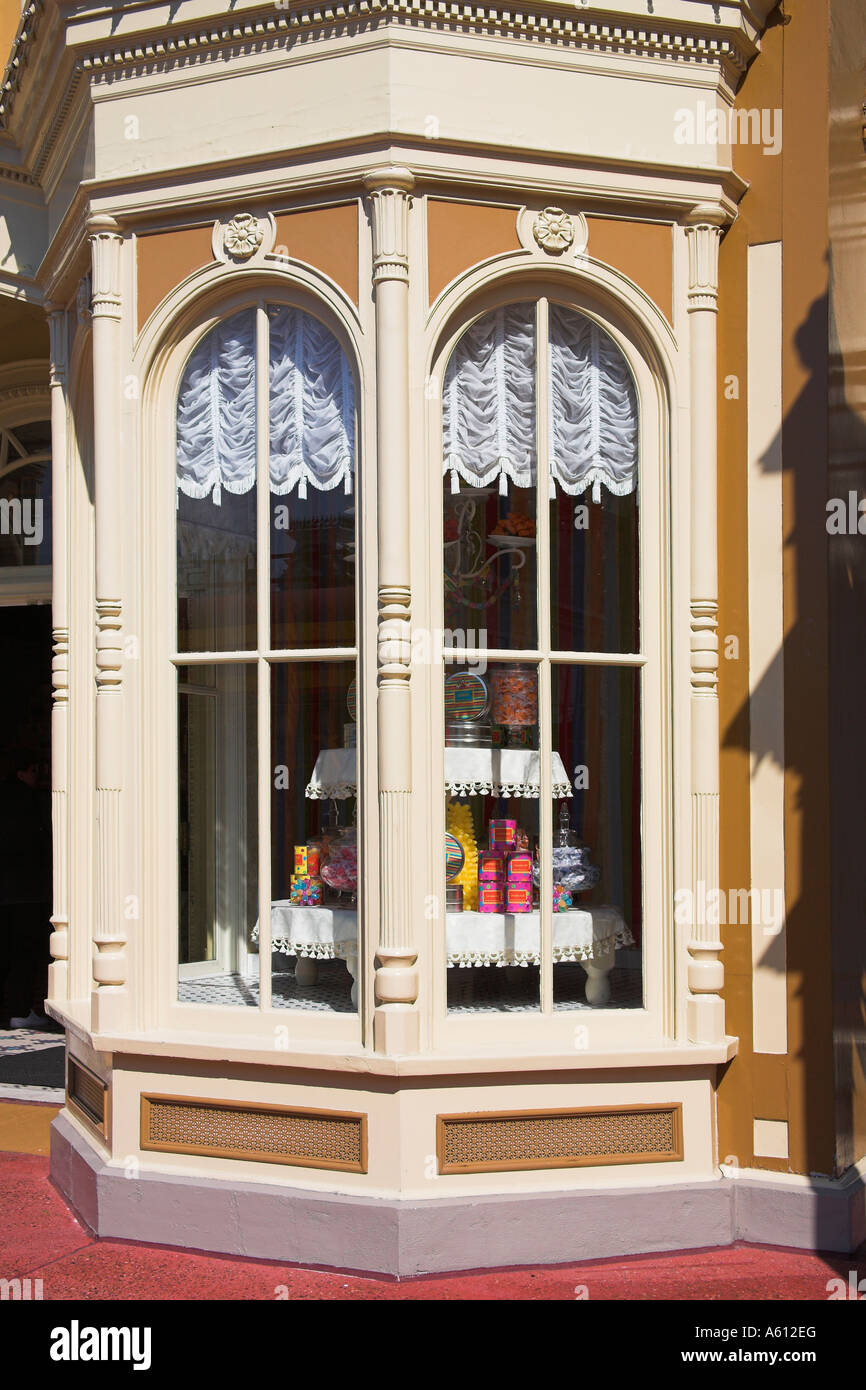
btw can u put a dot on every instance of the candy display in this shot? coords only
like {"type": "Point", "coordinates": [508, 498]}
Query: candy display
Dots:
{"type": "Point", "coordinates": [515, 695]}
{"type": "Point", "coordinates": [306, 890]}
{"type": "Point", "coordinates": [502, 833]}
{"type": "Point", "coordinates": [520, 864]}
{"type": "Point", "coordinates": [455, 858]}
{"type": "Point", "coordinates": [341, 870]}
{"type": "Point", "coordinates": [515, 524]}
{"type": "Point", "coordinates": [307, 859]}
{"type": "Point", "coordinates": [562, 899]}
{"type": "Point", "coordinates": [466, 696]}
{"type": "Point", "coordinates": [458, 822]}
{"type": "Point", "coordinates": [572, 868]}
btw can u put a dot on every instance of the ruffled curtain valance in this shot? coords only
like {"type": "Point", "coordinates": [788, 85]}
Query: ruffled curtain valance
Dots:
{"type": "Point", "coordinates": [489, 401]}
{"type": "Point", "coordinates": [489, 405]}
{"type": "Point", "coordinates": [593, 409]}
{"type": "Point", "coordinates": [311, 409]}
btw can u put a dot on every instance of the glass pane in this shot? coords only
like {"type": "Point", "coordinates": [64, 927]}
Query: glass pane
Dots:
{"type": "Point", "coordinates": [314, 836]}
{"type": "Point", "coordinates": [594, 474]}
{"type": "Point", "coordinates": [312, 465]}
{"type": "Point", "coordinates": [218, 836]}
{"type": "Point", "coordinates": [25, 494]}
{"type": "Point", "coordinates": [491, 822]}
{"type": "Point", "coordinates": [597, 837]}
{"type": "Point", "coordinates": [216, 482]}
{"type": "Point", "coordinates": [313, 570]}
{"type": "Point", "coordinates": [489, 471]}
{"type": "Point", "coordinates": [594, 573]}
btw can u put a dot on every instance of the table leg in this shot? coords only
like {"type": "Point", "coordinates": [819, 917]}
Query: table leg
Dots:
{"type": "Point", "coordinates": [597, 972]}
{"type": "Point", "coordinates": [352, 967]}
{"type": "Point", "coordinates": [306, 971]}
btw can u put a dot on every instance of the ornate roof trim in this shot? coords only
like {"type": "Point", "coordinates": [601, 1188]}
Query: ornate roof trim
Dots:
{"type": "Point", "coordinates": [598, 31]}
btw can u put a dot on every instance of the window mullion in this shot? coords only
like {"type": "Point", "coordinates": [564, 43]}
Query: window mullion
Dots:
{"type": "Point", "coordinates": [545, 817]}
{"type": "Point", "coordinates": [263, 588]}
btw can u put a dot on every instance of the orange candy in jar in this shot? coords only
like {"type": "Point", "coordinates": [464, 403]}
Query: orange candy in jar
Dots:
{"type": "Point", "coordinates": [515, 695]}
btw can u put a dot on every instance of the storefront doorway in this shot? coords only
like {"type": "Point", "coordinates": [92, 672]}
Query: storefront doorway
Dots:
{"type": "Point", "coordinates": [25, 807]}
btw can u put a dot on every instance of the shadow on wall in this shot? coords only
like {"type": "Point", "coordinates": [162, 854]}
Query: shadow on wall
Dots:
{"type": "Point", "coordinates": [825, 773]}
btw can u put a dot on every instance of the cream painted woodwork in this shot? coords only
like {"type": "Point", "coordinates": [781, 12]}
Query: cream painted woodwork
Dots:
{"type": "Point", "coordinates": [387, 106]}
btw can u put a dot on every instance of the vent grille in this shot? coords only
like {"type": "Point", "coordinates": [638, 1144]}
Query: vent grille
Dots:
{"type": "Point", "coordinates": [261, 1133]}
{"type": "Point", "coordinates": [559, 1138]}
{"type": "Point", "coordinates": [88, 1094]}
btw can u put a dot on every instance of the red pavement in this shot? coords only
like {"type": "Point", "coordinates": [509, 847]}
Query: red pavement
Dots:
{"type": "Point", "coordinates": [41, 1239]}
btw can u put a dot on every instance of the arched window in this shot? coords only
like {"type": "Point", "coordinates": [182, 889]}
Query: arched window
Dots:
{"type": "Point", "coordinates": [543, 673]}
{"type": "Point", "coordinates": [266, 531]}
{"type": "Point", "coordinates": [25, 493]}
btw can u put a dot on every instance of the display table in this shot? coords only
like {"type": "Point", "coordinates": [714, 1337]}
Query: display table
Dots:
{"type": "Point", "coordinates": [589, 936]}
{"type": "Point", "coordinates": [468, 772]}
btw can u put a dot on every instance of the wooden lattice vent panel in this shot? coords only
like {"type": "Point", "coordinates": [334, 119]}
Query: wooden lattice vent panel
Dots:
{"type": "Point", "coordinates": [257, 1133]}
{"type": "Point", "coordinates": [500, 1141]}
{"type": "Point", "coordinates": [88, 1095]}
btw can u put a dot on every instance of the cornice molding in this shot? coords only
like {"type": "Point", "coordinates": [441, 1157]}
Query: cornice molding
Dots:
{"type": "Point", "coordinates": [598, 31]}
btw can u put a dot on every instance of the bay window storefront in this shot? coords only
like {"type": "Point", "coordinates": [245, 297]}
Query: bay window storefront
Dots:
{"type": "Point", "coordinates": [391, 733]}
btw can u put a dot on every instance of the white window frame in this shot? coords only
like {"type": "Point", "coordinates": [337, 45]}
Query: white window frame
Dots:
{"type": "Point", "coordinates": [601, 1029]}
{"type": "Point", "coordinates": [185, 324]}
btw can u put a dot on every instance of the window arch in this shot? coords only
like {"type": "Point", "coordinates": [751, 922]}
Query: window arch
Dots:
{"type": "Point", "coordinates": [25, 491]}
{"type": "Point", "coordinates": [265, 474]}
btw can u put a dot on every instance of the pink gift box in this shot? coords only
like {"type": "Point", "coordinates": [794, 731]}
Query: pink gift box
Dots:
{"type": "Point", "coordinates": [491, 864]}
{"type": "Point", "coordinates": [491, 897]}
{"type": "Point", "coordinates": [518, 898]}
{"type": "Point", "coordinates": [520, 864]}
{"type": "Point", "coordinates": [502, 832]}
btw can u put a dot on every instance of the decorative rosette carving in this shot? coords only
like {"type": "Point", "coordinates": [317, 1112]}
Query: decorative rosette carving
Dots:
{"type": "Point", "coordinates": [553, 229]}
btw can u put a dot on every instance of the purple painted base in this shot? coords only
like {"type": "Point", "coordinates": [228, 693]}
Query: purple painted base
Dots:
{"type": "Point", "coordinates": [263, 1221]}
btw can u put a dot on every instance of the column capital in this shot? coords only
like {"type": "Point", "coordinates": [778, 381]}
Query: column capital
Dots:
{"type": "Point", "coordinates": [704, 226]}
{"type": "Point", "coordinates": [390, 191]}
{"type": "Point", "coordinates": [105, 241]}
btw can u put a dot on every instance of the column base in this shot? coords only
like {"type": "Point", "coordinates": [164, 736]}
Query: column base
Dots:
{"type": "Point", "coordinates": [396, 1029]}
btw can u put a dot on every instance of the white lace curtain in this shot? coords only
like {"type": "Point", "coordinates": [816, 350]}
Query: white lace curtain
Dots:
{"type": "Point", "coordinates": [311, 410]}
{"type": "Point", "coordinates": [489, 405]}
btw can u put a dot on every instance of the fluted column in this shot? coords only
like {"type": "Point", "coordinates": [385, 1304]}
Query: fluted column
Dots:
{"type": "Point", "coordinates": [706, 1010]}
{"type": "Point", "coordinates": [396, 1027]}
{"type": "Point", "coordinates": [109, 935]}
{"type": "Point", "coordinates": [58, 974]}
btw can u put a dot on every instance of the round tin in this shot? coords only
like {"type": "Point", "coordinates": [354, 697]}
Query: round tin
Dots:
{"type": "Point", "coordinates": [454, 857]}
{"type": "Point", "coordinates": [467, 733]}
{"type": "Point", "coordinates": [453, 897]}
{"type": "Point", "coordinates": [466, 696]}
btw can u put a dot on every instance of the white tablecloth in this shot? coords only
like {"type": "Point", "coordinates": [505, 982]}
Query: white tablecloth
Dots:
{"type": "Point", "coordinates": [468, 772]}
{"type": "Point", "coordinates": [473, 938]}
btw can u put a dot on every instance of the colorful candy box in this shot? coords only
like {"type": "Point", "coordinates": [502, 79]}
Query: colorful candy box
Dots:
{"type": "Point", "coordinates": [307, 859]}
{"type": "Point", "coordinates": [491, 897]}
{"type": "Point", "coordinates": [502, 833]}
{"type": "Point", "coordinates": [518, 897]}
{"type": "Point", "coordinates": [520, 864]}
{"type": "Point", "coordinates": [491, 864]}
